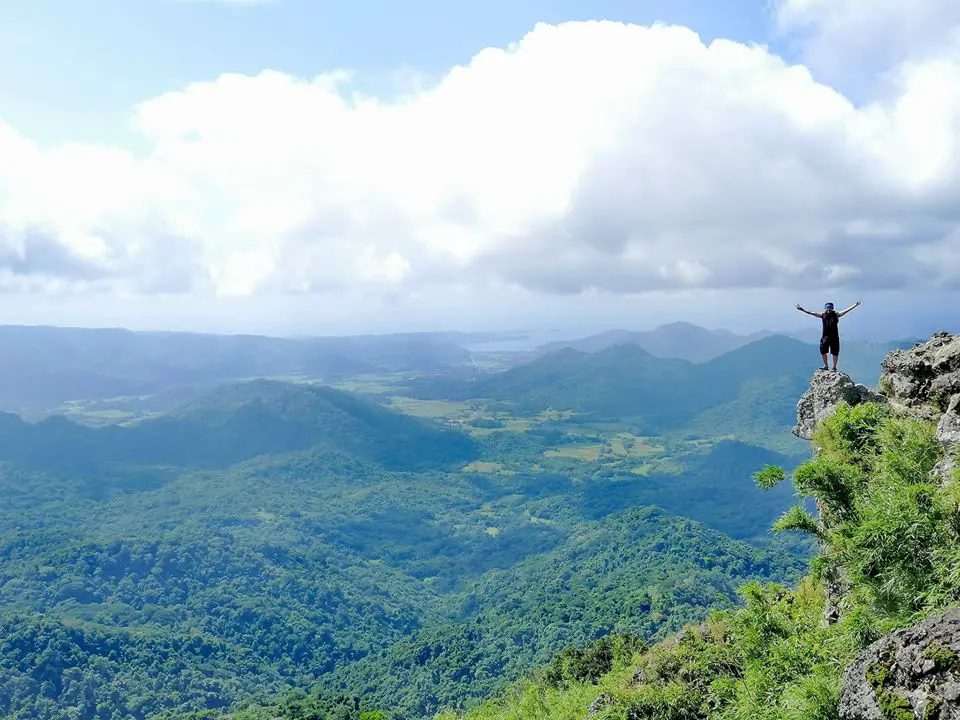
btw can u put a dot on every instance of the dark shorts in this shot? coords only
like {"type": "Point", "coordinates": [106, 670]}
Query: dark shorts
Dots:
{"type": "Point", "coordinates": [830, 344]}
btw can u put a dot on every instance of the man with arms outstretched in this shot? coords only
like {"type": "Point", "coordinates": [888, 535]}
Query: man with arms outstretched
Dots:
{"type": "Point", "coordinates": [830, 339]}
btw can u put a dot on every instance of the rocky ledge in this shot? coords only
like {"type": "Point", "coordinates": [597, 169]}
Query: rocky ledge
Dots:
{"type": "Point", "coordinates": [827, 390]}
{"type": "Point", "coordinates": [923, 381]}
{"type": "Point", "coordinates": [914, 672]}
{"type": "Point", "coordinates": [925, 377]}
{"type": "Point", "coordinates": [911, 673]}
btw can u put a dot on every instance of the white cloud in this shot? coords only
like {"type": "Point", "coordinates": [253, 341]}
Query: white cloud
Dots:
{"type": "Point", "coordinates": [863, 37]}
{"type": "Point", "coordinates": [587, 155]}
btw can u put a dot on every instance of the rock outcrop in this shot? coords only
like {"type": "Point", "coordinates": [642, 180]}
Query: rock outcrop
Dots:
{"type": "Point", "coordinates": [827, 390]}
{"type": "Point", "coordinates": [925, 377]}
{"type": "Point", "coordinates": [911, 673]}
{"type": "Point", "coordinates": [602, 701]}
{"type": "Point", "coordinates": [925, 381]}
{"type": "Point", "coordinates": [948, 433]}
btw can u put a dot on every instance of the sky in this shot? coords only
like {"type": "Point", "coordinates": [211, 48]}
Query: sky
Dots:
{"type": "Point", "coordinates": [304, 166]}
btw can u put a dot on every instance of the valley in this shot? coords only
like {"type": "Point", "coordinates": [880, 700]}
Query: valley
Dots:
{"type": "Point", "coordinates": [411, 538]}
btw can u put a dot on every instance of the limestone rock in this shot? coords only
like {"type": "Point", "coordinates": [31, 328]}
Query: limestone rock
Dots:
{"type": "Point", "coordinates": [948, 430]}
{"type": "Point", "coordinates": [827, 390]}
{"type": "Point", "coordinates": [911, 673]}
{"type": "Point", "coordinates": [948, 433]}
{"type": "Point", "coordinates": [603, 700]}
{"type": "Point", "coordinates": [927, 375]}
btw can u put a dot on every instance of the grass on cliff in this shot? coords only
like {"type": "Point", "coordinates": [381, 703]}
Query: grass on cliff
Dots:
{"type": "Point", "coordinates": [890, 536]}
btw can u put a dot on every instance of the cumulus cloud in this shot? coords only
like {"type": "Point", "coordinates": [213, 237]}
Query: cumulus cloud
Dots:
{"type": "Point", "coordinates": [589, 155]}
{"type": "Point", "coordinates": [866, 37]}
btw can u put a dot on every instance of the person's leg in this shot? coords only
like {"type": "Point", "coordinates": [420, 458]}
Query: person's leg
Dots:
{"type": "Point", "coordinates": [824, 348]}
{"type": "Point", "coordinates": [835, 358]}
{"type": "Point", "coordinates": [824, 356]}
{"type": "Point", "coordinates": [835, 351]}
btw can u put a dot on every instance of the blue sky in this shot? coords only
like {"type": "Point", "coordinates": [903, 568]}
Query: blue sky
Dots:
{"type": "Point", "coordinates": [72, 70]}
{"type": "Point", "coordinates": [543, 171]}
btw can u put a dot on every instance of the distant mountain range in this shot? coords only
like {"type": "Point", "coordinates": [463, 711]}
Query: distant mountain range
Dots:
{"type": "Point", "coordinates": [233, 424]}
{"type": "Point", "coordinates": [687, 342]}
{"type": "Point", "coordinates": [44, 367]}
{"type": "Point", "coordinates": [659, 393]}
{"type": "Point", "coordinates": [672, 340]}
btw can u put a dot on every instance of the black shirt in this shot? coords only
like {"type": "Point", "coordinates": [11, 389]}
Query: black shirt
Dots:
{"type": "Point", "coordinates": [831, 324]}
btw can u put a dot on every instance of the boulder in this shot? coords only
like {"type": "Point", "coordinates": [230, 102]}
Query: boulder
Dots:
{"type": "Point", "coordinates": [924, 377]}
{"type": "Point", "coordinates": [911, 673]}
{"type": "Point", "coordinates": [948, 429]}
{"type": "Point", "coordinates": [602, 701]}
{"type": "Point", "coordinates": [827, 390]}
{"type": "Point", "coordinates": [948, 433]}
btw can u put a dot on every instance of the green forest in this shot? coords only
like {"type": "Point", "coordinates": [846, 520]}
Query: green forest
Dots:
{"type": "Point", "coordinates": [888, 532]}
{"type": "Point", "coordinates": [400, 545]}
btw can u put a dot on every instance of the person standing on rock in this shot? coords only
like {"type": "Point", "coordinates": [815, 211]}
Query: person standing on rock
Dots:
{"type": "Point", "coordinates": [830, 338]}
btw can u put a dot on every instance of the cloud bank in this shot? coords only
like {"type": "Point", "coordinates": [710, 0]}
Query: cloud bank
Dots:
{"type": "Point", "coordinates": [587, 156]}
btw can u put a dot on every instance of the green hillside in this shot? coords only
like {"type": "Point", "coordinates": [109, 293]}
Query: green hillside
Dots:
{"type": "Point", "coordinates": [642, 572]}
{"type": "Point", "coordinates": [44, 368]}
{"type": "Point", "coordinates": [627, 382]}
{"type": "Point", "coordinates": [888, 530]}
{"type": "Point", "coordinates": [233, 424]}
{"type": "Point", "coordinates": [273, 536]}
{"type": "Point", "coordinates": [671, 340]}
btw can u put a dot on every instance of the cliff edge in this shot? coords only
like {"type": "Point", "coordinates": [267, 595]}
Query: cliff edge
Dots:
{"type": "Point", "coordinates": [912, 672]}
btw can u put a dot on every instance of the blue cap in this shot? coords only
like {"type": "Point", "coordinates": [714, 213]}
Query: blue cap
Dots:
{"type": "Point", "coordinates": [828, 306]}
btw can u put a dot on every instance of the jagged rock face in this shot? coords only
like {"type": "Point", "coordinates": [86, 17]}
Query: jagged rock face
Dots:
{"type": "Point", "coordinates": [911, 673]}
{"type": "Point", "coordinates": [926, 375]}
{"type": "Point", "coordinates": [948, 433]}
{"type": "Point", "coordinates": [948, 430]}
{"type": "Point", "coordinates": [601, 702]}
{"type": "Point", "coordinates": [827, 390]}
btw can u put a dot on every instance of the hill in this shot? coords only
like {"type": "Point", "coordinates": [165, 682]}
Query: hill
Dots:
{"type": "Point", "coordinates": [43, 367]}
{"type": "Point", "coordinates": [870, 632]}
{"type": "Point", "coordinates": [233, 424]}
{"type": "Point", "coordinates": [684, 341]}
{"type": "Point", "coordinates": [672, 340]}
{"type": "Point", "coordinates": [271, 536]}
{"type": "Point", "coordinates": [642, 572]}
{"type": "Point", "coordinates": [627, 381]}
{"type": "Point", "coordinates": [750, 389]}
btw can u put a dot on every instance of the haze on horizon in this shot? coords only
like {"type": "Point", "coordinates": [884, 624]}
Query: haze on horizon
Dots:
{"type": "Point", "coordinates": [284, 168]}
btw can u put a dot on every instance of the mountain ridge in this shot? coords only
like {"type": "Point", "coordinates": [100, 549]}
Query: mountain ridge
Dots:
{"type": "Point", "coordinates": [236, 423]}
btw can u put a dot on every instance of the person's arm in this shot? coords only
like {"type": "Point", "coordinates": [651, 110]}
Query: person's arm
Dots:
{"type": "Point", "coordinates": [808, 312]}
{"type": "Point", "coordinates": [857, 304]}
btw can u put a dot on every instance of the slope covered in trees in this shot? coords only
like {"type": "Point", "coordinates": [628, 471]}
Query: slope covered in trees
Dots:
{"type": "Point", "coordinates": [43, 367]}
{"type": "Point", "coordinates": [655, 393]}
{"type": "Point", "coordinates": [889, 533]}
{"type": "Point", "coordinates": [273, 536]}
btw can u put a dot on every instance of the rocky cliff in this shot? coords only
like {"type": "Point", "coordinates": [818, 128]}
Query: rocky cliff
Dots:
{"type": "Point", "coordinates": [923, 381]}
{"type": "Point", "coordinates": [827, 390]}
{"type": "Point", "coordinates": [913, 672]}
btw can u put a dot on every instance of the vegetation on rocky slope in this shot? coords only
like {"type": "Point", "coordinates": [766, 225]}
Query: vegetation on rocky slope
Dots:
{"type": "Point", "coordinates": [889, 530]}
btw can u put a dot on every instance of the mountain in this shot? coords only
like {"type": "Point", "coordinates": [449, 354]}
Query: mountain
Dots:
{"type": "Point", "coordinates": [234, 424]}
{"type": "Point", "coordinates": [672, 340]}
{"type": "Point", "coordinates": [270, 536]}
{"type": "Point", "coordinates": [685, 341]}
{"type": "Point", "coordinates": [626, 381]}
{"type": "Point", "coordinates": [44, 367]}
{"type": "Point", "coordinates": [556, 599]}
{"type": "Point", "coordinates": [871, 632]}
